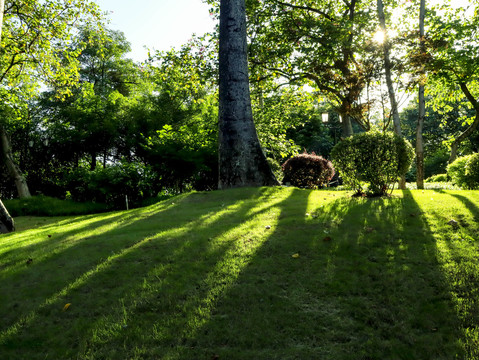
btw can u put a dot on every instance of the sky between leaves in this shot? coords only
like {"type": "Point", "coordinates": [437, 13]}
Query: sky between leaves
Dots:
{"type": "Point", "coordinates": [157, 24]}
{"type": "Point", "coordinates": [162, 24]}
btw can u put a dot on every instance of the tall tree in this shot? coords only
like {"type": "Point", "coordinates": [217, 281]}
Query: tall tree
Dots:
{"type": "Point", "coordinates": [241, 159]}
{"type": "Point", "coordinates": [6, 221]}
{"type": "Point", "coordinates": [389, 82]}
{"type": "Point", "coordinates": [422, 105]}
{"type": "Point", "coordinates": [452, 62]}
{"type": "Point", "coordinates": [388, 68]}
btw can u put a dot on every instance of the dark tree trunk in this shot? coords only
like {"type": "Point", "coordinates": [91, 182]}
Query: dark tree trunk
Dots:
{"type": "Point", "coordinates": [241, 159]}
{"type": "Point", "coordinates": [93, 161]}
{"type": "Point", "coordinates": [13, 169]}
{"type": "Point", "coordinates": [6, 221]}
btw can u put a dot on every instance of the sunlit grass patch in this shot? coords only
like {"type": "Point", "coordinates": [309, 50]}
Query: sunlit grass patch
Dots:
{"type": "Point", "coordinates": [269, 273]}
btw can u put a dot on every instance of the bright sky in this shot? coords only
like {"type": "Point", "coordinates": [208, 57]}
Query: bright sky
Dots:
{"type": "Point", "coordinates": [157, 24]}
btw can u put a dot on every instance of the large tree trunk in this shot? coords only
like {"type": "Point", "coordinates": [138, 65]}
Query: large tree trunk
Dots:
{"type": "Point", "coordinates": [13, 169]}
{"type": "Point", "coordinates": [241, 159]}
{"type": "Point", "coordinates": [422, 109]}
{"type": "Point", "coordinates": [466, 133]}
{"type": "Point", "coordinates": [389, 81]}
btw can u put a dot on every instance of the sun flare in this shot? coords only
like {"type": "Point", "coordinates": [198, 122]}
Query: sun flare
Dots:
{"type": "Point", "coordinates": [379, 36]}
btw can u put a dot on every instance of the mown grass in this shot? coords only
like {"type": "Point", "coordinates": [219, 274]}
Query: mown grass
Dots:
{"type": "Point", "coordinates": [213, 276]}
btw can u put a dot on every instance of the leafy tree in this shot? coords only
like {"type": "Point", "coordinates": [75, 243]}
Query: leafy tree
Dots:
{"type": "Point", "coordinates": [321, 43]}
{"type": "Point", "coordinates": [87, 122]}
{"type": "Point", "coordinates": [33, 35]}
{"type": "Point", "coordinates": [452, 62]}
{"type": "Point", "coordinates": [175, 117]}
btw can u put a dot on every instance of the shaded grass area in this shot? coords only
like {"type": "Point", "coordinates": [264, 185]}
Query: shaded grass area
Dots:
{"type": "Point", "coordinates": [212, 275]}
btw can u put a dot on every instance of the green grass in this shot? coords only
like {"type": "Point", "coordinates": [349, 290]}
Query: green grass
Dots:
{"type": "Point", "coordinates": [211, 275]}
{"type": "Point", "coordinates": [48, 206]}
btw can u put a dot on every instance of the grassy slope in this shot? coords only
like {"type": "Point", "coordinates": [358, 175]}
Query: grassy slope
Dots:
{"type": "Point", "coordinates": [201, 276]}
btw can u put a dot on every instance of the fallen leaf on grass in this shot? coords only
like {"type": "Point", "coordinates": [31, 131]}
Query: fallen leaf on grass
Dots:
{"type": "Point", "coordinates": [295, 256]}
{"type": "Point", "coordinates": [29, 261]}
{"type": "Point", "coordinates": [327, 238]}
{"type": "Point", "coordinates": [267, 227]}
{"type": "Point", "coordinates": [65, 308]}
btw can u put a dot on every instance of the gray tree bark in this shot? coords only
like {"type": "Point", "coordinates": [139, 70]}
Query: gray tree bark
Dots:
{"type": "Point", "coordinates": [422, 109]}
{"type": "Point", "coordinates": [241, 159]}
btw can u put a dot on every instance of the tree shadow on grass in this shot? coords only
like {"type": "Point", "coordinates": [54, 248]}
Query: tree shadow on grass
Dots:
{"type": "Point", "coordinates": [366, 285]}
{"type": "Point", "coordinates": [460, 242]}
{"type": "Point", "coordinates": [154, 271]}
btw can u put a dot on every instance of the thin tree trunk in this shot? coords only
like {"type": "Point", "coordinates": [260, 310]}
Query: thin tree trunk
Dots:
{"type": "Point", "coordinates": [13, 169]}
{"type": "Point", "coordinates": [387, 70]}
{"type": "Point", "coordinates": [93, 161]}
{"type": "Point", "coordinates": [466, 133]}
{"type": "Point", "coordinates": [389, 81]}
{"type": "Point", "coordinates": [241, 159]}
{"type": "Point", "coordinates": [422, 109]}
{"type": "Point", "coordinates": [6, 221]}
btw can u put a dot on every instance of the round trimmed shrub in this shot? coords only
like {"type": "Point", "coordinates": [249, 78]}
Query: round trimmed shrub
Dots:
{"type": "Point", "coordinates": [378, 159]}
{"type": "Point", "coordinates": [464, 171]}
{"type": "Point", "coordinates": [308, 171]}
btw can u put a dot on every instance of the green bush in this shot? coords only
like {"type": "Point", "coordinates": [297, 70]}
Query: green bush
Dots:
{"type": "Point", "coordinates": [110, 185]}
{"type": "Point", "coordinates": [308, 171]}
{"type": "Point", "coordinates": [464, 171]}
{"type": "Point", "coordinates": [378, 159]}
{"type": "Point", "coordinates": [437, 178]}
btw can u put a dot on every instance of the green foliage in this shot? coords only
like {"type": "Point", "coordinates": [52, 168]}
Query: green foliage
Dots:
{"type": "Point", "coordinates": [437, 178]}
{"type": "Point", "coordinates": [308, 171]}
{"type": "Point", "coordinates": [373, 157]}
{"type": "Point", "coordinates": [48, 206]}
{"type": "Point", "coordinates": [110, 185]}
{"type": "Point", "coordinates": [464, 171]}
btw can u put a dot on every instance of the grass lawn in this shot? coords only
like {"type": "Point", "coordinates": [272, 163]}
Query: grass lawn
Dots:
{"type": "Point", "coordinates": [268, 273]}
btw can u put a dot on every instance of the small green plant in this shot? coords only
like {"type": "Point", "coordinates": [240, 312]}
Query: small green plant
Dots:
{"type": "Point", "coordinates": [437, 178]}
{"type": "Point", "coordinates": [378, 159]}
{"type": "Point", "coordinates": [464, 171]}
{"type": "Point", "coordinates": [308, 171]}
